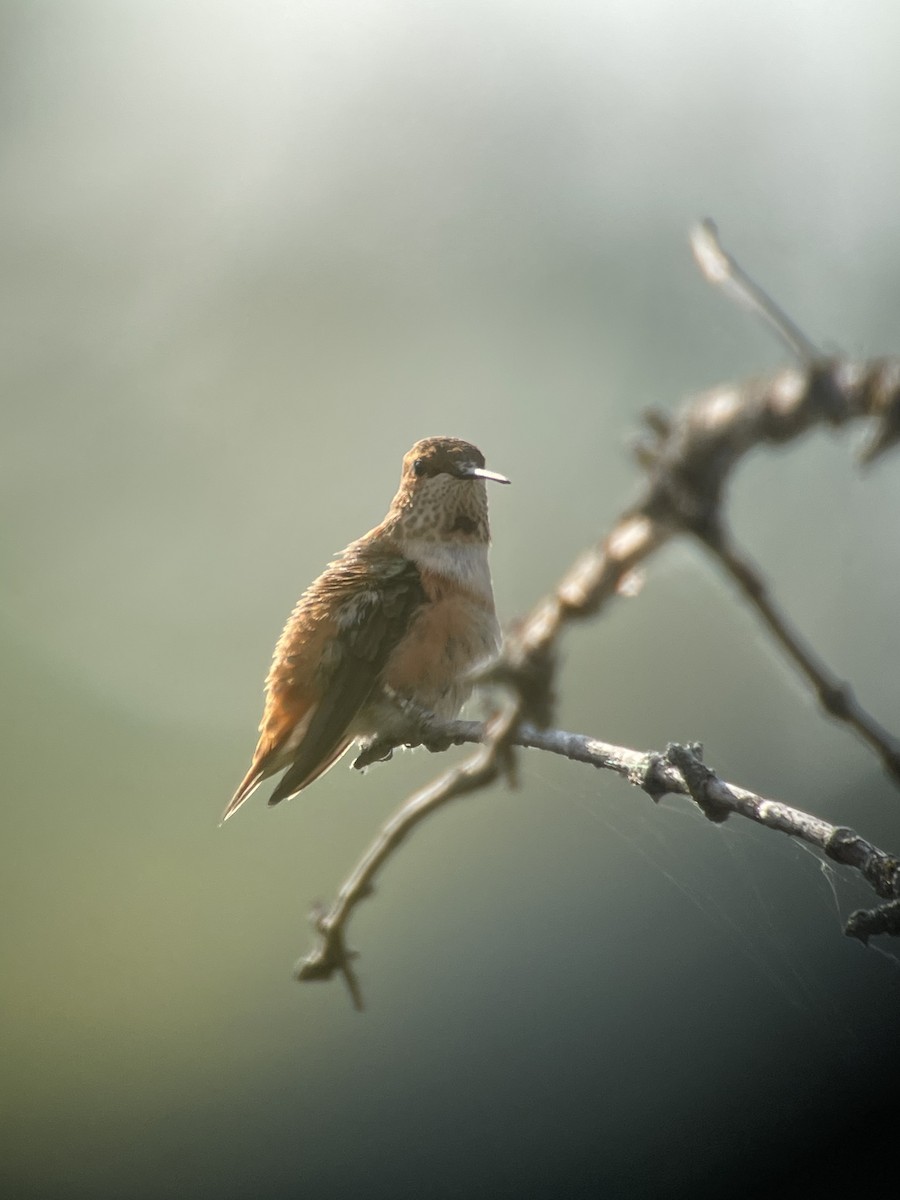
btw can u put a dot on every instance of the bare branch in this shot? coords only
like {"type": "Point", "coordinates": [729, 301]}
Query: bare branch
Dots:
{"type": "Point", "coordinates": [720, 269]}
{"type": "Point", "coordinates": [835, 696]}
{"type": "Point", "coordinates": [689, 458]}
{"type": "Point", "coordinates": [679, 770]}
{"type": "Point", "coordinates": [477, 772]}
{"type": "Point", "coordinates": [689, 463]}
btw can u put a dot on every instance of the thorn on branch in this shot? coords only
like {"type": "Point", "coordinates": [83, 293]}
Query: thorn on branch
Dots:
{"type": "Point", "coordinates": [649, 775]}
{"type": "Point", "coordinates": [329, 956]}
{"type": "Point", "coordinates": [701, 781]}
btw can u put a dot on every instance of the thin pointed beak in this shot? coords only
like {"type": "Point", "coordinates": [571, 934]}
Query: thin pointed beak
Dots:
{"type": "Point", "coordinates": [480, 473]}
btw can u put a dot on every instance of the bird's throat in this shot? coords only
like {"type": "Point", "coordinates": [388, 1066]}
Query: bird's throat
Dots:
{"type": "Point", "coordinates": [461, 562]}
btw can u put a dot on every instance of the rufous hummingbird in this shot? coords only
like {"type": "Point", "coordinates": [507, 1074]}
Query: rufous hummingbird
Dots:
{"type": "Point", "coordinates": [406, 611]}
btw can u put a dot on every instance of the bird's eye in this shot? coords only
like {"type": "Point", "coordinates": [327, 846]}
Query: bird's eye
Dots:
{"type": "Point", "coordinates": [419, 467]}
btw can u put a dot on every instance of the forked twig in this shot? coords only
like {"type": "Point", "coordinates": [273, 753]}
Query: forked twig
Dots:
{"type": "Point", "coordinates": [689, 459]}
{"type": "Point", "coordinates": [680, 771]}
{"type": "Point", "coordinates": [477, 772]}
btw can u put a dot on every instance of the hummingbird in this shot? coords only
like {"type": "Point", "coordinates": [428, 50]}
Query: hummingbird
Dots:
{"type": "Point", "coordinates": [406, 611]}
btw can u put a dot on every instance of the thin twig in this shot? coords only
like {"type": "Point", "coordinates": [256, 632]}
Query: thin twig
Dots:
{"type": "Point", "coordinates": [480, 770]}
{"type": "Point", "coordinates": [720, 269]}
{"type": "Point", "coordinates": [689, 459]}
{"type": "Point", "coordinates": [679, 770]}
{"type": "Point", "coordinates": [835, 695]}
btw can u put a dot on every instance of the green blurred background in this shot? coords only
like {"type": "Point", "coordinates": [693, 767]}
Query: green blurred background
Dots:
{"type": "Point", "coordinates": [251, 252]}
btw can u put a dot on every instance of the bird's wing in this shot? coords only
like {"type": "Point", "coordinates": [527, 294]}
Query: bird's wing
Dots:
{"type": "Point", "coordinates": [348, 628]}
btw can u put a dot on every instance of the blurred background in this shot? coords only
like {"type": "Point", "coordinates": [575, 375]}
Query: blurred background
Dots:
{"type": "Point", "coordinates": [251, 252]}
